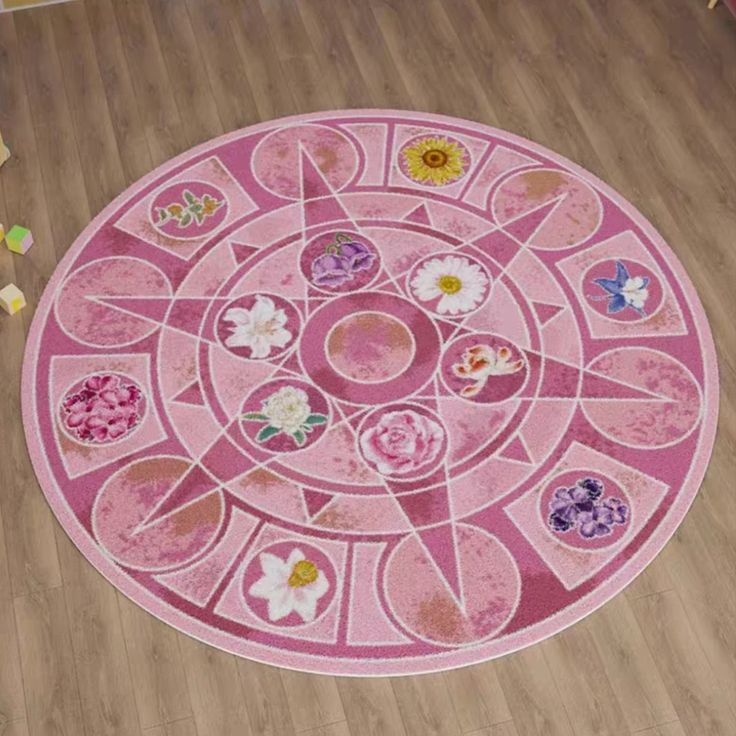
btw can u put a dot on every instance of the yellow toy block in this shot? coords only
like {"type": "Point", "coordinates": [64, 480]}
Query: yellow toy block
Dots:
{"type": "Point", "coordinates": [2, 232]}
{"type": "Point", "coordinates": [4, 151]}
{"type": "Point", "coordinates": [12, 299]}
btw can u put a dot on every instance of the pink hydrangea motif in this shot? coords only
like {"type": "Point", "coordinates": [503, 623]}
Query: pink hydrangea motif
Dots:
{"type": "Point", "coordinates": [401, 442]}
{"type": "Point", "coordinates": [104, 409]}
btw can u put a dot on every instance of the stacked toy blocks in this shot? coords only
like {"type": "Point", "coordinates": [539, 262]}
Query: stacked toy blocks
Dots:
{"type": "Point", "coordinates": [18, 240]}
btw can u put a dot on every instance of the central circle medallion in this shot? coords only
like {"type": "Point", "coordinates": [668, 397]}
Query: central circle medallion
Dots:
{"type": "Point", "coordinates": [370, 347]}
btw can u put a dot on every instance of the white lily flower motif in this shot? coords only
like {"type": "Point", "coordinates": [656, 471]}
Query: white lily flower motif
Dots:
{"type": "Point", "coordinates": [259, 328]}
{"type": "Point", "coordinates": [294, 584]}
{"type": "Point", "coordinates": [634, 292]}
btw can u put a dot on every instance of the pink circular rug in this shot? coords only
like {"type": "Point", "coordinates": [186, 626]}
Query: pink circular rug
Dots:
{"type": "Point", "coordinates": [370, 393]}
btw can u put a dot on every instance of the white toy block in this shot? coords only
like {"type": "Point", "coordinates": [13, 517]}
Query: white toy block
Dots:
{"type": "Point", "coordinates": [12, 299]}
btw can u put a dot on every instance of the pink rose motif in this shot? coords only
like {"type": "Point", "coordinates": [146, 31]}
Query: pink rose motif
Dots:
{"type": "Point", "coordinates": [401, 442]}
{"type": "Point", "coordinates": [104, 409]}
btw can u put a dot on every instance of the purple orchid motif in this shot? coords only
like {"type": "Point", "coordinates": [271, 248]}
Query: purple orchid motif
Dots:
{"type": "Point", "coordinates": [582, 507]}
{"type": "Point", "coordinates": [341, 260]}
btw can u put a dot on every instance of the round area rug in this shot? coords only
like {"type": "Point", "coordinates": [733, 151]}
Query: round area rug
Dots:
{"type": "Point", "coordinates": [370, 393]}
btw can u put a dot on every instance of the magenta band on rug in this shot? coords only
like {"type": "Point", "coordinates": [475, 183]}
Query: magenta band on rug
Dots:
{"type": "Point", "coordinates": [370, 393]}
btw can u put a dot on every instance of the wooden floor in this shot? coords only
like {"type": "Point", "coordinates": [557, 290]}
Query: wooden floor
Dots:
{"type": "Point", "coordinates": [95, 93]}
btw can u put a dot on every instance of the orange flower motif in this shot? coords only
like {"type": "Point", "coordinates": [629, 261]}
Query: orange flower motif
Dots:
{"type": "Point", "coordinates": [480, 362]}
{"type": "Point", "coordinates": [209, 205]}
{"type": "Point", "coordinates": [175, 210]}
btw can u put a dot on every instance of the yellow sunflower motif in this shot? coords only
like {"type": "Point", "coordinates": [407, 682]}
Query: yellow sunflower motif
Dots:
{"type": "Point", "coordinates": [435, 161]}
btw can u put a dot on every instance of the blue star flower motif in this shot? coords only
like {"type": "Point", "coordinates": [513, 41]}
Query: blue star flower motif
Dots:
{"type": "Point", "coordinates": [624, 291]}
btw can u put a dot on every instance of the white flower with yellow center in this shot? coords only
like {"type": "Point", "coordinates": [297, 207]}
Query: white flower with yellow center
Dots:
{"type": "Point", "coordinates": [294, 584]}
{"type": "Point", "coordinates": [459, 284]}
{"type": "Point", "coordinates": [259, 328]}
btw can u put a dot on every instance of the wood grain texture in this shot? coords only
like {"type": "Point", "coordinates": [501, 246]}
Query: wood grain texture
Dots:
{"type": "Point", "coordinates": [95, 93]}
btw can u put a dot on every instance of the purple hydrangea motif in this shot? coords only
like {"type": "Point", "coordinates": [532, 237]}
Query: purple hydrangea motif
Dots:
{"type": "Point", "coordinates": [583, 507]}
{"type": "Point", "coordinates": [341, 261]}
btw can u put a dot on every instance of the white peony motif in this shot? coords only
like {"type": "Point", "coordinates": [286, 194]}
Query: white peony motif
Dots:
{"type": "Point", "coordinates": [459, 284]}
{"type": "Point", "coordinates": [259, 328]}
{"type": "Point", "coordinates": [634, 292]}
{"type": "Point", "coordinates": [287, 409]}
{"type": "Point", "coordinates": [294, 584]}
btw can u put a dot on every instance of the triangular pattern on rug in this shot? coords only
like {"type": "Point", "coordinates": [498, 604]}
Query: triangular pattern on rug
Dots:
{"type": "Point", "coordinates": [349, 410]}
{"type": "Point", "coordinates": [153, 309]}
{"type": "Point", "coordinates": [524, 226]}
{"type": "Point", "coordinates": [439, 542]}
{"type": "Point", "coordinates": [193, 485]}
{"type": "Point", "coordinates": [432, 507]}
{"type": "Point", "coordinates": [188, 314]}
{"type": "Point", "coordinates": [192, 394]}
{"type": "Point", "coordinates": [289, 366]}
{"type": "Point", "coordinates": [499, 246]}
{"type": "Point", "coordinates": [356, 419]}
{"type": "Point", "coordinates": [425, 507]}
{"type": "Point", "coordinates": [242, 252]}
{"type": "Point", "coordinates": [515, 450]}
{"type": "Point", "coordinates": [384, 282]}
{"type": "Point", "coordinates": [561, 380]}
{"type": "Point", "coordinates": [315, 501]}
{"type": "Point", "coordinates": [545, 312]}
{"type": "Point", "coordinates": [225, 461]}
{"type": "Point", "coordinates": [318, 200]}
{"type": "Point", "coordinates": [596, 386]}
{"type": "Point", "coordinates": [420, 216]}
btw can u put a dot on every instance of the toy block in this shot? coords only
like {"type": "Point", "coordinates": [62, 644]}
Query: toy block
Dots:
{"type": "Point", "coordinates": [4, 151]}
{"type": "Point", "coordinates": [12, 299]}
{"type": "Point", "coordinates": [19, 239]}
{"type": "Point", "coordinates": [2, 232]}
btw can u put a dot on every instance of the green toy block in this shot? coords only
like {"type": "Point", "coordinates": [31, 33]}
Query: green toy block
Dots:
{"type": "Point", "coordinates": [19, 239]}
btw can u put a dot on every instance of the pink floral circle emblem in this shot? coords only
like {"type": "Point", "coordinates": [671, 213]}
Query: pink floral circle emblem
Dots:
{"type": "Point", "coordinates": [104, 408]}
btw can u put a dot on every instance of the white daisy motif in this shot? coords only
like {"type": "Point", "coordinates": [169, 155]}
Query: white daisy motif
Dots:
{"type": "Point", "coordinates": [259, 328]}
{"type": "Point", "coordinates": [457, 282]}
{"type": "Point", "coordinates": [635, 292]}
{"type": "Point", "coordinates": [294, 584]}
